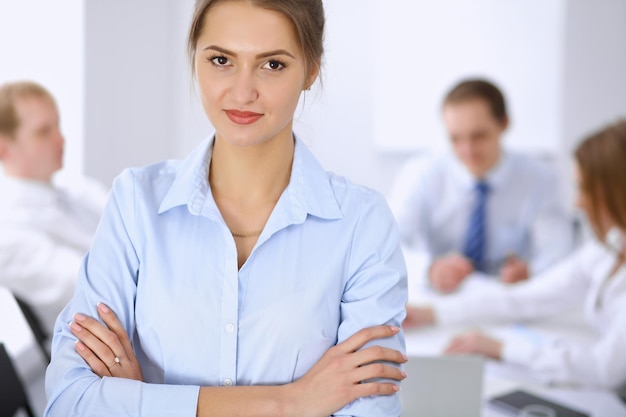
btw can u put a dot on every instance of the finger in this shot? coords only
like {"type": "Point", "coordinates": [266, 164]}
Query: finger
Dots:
{"type": "Point", "coordinates": [454, 344]}
{"type": "Point", "coordinates": [377, 353]}
{"type": "Point", "coordinates": [96, 365]}
{"type": "Point", "coordinates": [110, 319]}
{"type": "Point", "coordinates": [374, 388]}
{"type": "Point", "coordinates": [98, 330]}
{"type": "Point", "coordinates": [378, 370]}
{"type": "Point", "coordinates": [95, 344]}
{"type": "Point", "coordinates": [360, 338]}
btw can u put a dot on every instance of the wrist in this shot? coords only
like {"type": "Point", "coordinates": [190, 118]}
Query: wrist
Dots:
{"type": "Point", "coordinates": [289, 400]}
{"type": "Point", "coordinates": [430, 316]}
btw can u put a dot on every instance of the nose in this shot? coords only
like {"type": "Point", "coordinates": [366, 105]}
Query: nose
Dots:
{"type": "Point", "coordinates": [464, 147]}
{"type": "Point", "coordinates": [244, 87]}
{"type": "Point", "coordinates": [60, 138]}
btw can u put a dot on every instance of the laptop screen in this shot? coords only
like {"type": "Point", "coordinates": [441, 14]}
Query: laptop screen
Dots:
{"type": "Point", "coordinates": [442, 386]}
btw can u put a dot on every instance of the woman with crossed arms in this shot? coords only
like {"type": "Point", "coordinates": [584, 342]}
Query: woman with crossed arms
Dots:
{"type": "Point", "coordinates": [251, 281]}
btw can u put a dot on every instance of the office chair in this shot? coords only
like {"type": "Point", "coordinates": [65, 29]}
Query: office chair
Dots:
{"type": "Point", "coordinates": [40, 334]}
{"type": "Point", "coordinates": [13, 396]}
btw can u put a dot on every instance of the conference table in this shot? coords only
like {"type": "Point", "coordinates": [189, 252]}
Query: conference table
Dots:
{"type": "Point", "coordinates": [499, 377]}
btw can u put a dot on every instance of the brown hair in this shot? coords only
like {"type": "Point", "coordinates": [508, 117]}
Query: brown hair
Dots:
{"type": "Point", "coordinates": [9, 93]}
{"type": "Point", "coordinates": [479, 89]}
{"type": "Point", "coordinates": [601, 158]}
{"type": "Point", "coordinates": [307, 17]}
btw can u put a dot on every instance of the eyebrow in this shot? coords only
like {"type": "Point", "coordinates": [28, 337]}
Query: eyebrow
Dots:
{"type": "Point", "coordinates": [259, 56]}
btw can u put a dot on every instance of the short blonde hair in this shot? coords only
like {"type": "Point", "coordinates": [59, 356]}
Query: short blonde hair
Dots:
{"type": "Point", "coordinates": [9, 93]}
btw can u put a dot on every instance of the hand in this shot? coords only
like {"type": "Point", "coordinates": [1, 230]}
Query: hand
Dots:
{"type": "Point", "coordinates": [447, 273]}
{"type": "Point", "coordinates": [477, 343]}
{"type": "Point", "coordinates": [344, 373]}
{"type": "Point", "coordinates": [99, 346]}
{"type": "Point", "coordinates": [418, 316]}
{"type": "Point", "coordinates": [514, 270]}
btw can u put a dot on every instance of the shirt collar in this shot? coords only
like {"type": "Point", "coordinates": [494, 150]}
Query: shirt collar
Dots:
{"type": "Point", "coordinates": [495, 178]}
{"type": "Point", "coordinates": [309, 190]}
{"type": "Point", "coordinates": [27, 191]}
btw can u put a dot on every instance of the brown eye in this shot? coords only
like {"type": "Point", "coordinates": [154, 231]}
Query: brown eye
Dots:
{"type": "Point", "coordinates": [219, 61]}
{"type": "Point", "coordinates": [274, 65]}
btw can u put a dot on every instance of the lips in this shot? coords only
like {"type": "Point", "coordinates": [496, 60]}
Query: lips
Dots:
{"type": "Point", "coordinates": [243, 117]}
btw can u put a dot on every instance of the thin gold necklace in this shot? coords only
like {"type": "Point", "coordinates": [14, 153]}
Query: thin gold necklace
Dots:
{"type": "Point", "coordinates": [246, 234]}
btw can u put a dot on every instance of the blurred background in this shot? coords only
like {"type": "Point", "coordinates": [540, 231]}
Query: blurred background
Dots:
{"type": "Point", "coordinates": [120, 73]}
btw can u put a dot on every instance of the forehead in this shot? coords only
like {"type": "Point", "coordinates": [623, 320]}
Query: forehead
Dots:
{"type": "Point", "coordinates": [468, 112]}
{"type": "Point", "coordinates": [34, 109]}
{"type": "Point", "coordinates": [240, 27]}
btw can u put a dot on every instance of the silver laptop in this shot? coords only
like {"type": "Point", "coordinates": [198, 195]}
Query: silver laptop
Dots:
{"type": "Point", "coordinates": [442, 386]}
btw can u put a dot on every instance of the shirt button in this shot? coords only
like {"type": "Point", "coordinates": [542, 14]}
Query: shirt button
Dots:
{"type": "Point", "coordinates": [230, 327]}
{"type": "Point", "coordinates": [228, 382]}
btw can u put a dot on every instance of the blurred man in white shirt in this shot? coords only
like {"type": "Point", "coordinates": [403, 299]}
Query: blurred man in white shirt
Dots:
{"type": "Point", "coordinates": [479, 207]}
{"type": "Point", "coordinates": [45, 229]}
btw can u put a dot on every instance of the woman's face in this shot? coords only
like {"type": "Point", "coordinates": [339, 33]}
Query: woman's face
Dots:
{"type": "Point", "coordinates": [251, 72]}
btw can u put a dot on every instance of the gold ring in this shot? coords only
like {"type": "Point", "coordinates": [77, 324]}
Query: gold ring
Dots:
{"type": "Point", "coordinates": [115, 362]}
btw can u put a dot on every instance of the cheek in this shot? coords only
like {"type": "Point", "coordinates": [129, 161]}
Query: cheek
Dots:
{"type": "Point", "coordinates": [284, 99]}
{"type": "Point", "coordinates": [581, 201]}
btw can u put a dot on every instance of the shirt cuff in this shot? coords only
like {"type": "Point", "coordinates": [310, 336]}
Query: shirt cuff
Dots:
{"type": "Point", "coordinates": [169, 400]}
{"type": "Point", "coordinates": [519, 351]}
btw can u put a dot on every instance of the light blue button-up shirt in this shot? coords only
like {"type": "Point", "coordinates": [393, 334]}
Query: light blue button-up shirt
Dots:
{"type": "Point", "coordinates": [327, 264]}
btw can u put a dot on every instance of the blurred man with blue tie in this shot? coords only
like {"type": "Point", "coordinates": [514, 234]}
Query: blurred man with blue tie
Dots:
{"type": "Point", "coordinates": [479, 207]}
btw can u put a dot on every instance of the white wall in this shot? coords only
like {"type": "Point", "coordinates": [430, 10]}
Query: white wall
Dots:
{"type": "Point", "coordinates": [125, 89]}
{"type": "Point", "coordinates": [42, 41]}
{"type": "Point", "coordinates": [422, 49]}
{"type": "Point", "coordinates": [595, 67]}
{"type": "Point", "coordinates": [128, 84]}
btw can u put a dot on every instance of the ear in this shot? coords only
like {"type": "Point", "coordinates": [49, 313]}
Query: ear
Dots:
{"type": "Point", "coordinates": [505, 123]}
{"type": "Point", "coordinates": [4, 143]}
{"type": "Point", "coordinates": [313, 74]}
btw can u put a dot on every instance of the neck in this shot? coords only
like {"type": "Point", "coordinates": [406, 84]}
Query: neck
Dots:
{"type": "Point", "coordinates": [481, 174]}
{"type": "Point", "coordinates": [20, 176]}
{"type": "Point", "coordinates": [251, 175]}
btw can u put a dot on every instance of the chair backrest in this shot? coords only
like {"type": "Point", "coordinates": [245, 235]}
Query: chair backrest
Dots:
{"type": "Point", "coordinates": [13, 396]}
{"type": "Point", "coordinates": [35, 325]}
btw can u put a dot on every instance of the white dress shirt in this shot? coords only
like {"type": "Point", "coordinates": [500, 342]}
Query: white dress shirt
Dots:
{"type": "Point", "coordinates": [433, 197]}
{"type": "Point", "coordinates": [45, 231]}
{"type": "Point", "coordinates": [583, 277]}
{"type": "Point", "coordinates": [327, 264]}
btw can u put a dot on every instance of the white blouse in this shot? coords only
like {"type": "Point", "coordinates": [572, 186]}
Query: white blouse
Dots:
{"type": "Point", "coordinates": [583, 277]}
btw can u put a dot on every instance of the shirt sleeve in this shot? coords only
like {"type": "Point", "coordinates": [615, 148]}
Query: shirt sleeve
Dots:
{"type": "Point", "coordinates": [375, 294]}
{"type": "Point", "coordinates": [600, 364]}
{"type": "Point", "coordinates": [553, 226]}
{"type": "Point", "coordinates": [562, 286]}
{"type": "Point", "coordinates": [108, 274]}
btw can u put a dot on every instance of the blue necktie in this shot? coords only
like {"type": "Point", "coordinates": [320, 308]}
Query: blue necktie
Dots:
{"type": "Point", "coordinates": [475, 240]}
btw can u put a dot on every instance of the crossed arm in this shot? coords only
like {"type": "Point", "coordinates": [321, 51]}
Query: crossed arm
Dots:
{"type": "Point", "coordinates": [343, 374]}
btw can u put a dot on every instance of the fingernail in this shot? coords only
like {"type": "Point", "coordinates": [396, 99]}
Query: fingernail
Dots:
{"type": "Point", "coordinates": [102, 307]}
{"type": "Point", "coordinates": [79, 317]}
{"type": "Point", "coordinates": [76, 327]}
{"type": "Point", "coordinates": [406, 359]}
{"type": "Point", "coordinates": [403, 374]}
{"type": "Point", "coordinates": [396, 388]}
{"type": "Point", "coordinates": [79, 345]}
{"type": "Point", "coordinates": [394, 329]}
